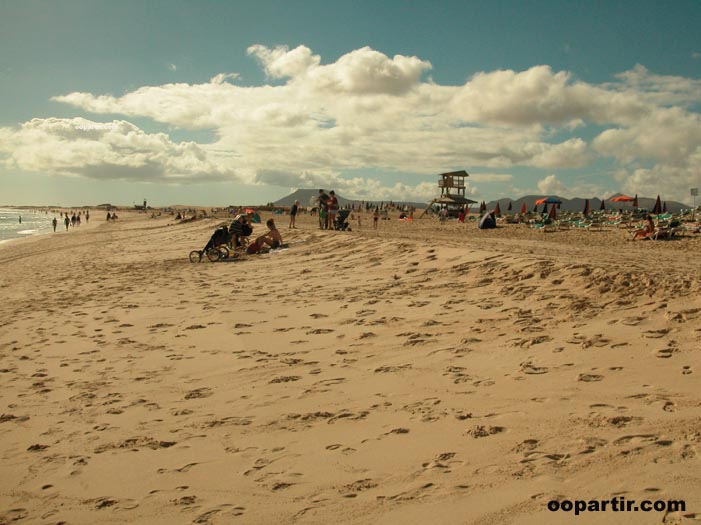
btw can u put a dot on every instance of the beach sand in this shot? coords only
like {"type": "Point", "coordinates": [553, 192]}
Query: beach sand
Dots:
{"type": "Point", "coordinates": [421, 373]}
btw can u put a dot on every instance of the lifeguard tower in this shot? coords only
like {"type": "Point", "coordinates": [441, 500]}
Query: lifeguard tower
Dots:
{"type": "Point", "coordinates": [452, 186]}
{"type": "Point", "coordinates": [455, 180]}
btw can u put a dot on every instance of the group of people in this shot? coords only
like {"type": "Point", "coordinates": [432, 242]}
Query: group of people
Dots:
{"type": "Point", "coordinates": [72, 220]}
{"type": "Point", "coordinates": [328, 208]}
{"type": "Point", "coordinates": [236, 235]}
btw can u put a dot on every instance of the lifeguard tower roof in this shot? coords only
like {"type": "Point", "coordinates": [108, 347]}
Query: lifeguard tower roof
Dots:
{"type": "Point", "coordinates": [460, 173]}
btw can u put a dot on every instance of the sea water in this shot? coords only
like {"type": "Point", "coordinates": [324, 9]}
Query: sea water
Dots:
{"type": "Point", "coordinates": [34, 222]}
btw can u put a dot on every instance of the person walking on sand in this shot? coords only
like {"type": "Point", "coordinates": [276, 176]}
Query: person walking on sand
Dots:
{"type": "Point", "coordinates": [67, 222]}
{"type": "Point", "coordinates": [375, 217]}
{"type": "Point", "coordinates": [293, 214]}
{"type": "Point", "coordinates": [55, 223]}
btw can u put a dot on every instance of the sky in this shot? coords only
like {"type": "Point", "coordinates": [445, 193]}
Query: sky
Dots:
{"type": "Point", "coordinates": [242, 102]}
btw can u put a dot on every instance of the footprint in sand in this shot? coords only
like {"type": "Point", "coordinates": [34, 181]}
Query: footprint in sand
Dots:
{"type": "Point", "coordinates": [665, 353]}
{"type": "Point", "coordinates": [589, 378]}
{"type": "Point", "coordinates": [198, 393]}
{"type": "Point", "coordinates": [529, 368]}
{"type": "Point", "coordinates": [636, 439]}
{"type": "Point", "coordinates": [481, 431]}
{"type": "Point", "coordinates": [284, 379]}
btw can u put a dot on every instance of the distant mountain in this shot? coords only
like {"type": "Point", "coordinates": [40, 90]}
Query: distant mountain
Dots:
{"type": "Point", "coordinates": [307, 197]}
{"type": "Point", "coordinates": [577, 204]}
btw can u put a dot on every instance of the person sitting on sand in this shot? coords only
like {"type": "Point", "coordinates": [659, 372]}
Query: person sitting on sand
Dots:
{"type": "Point", "coordinates": [645, 232]}
{"type": "Point", "coordinates": [240, 229]}
{"type": "Point", "coordinates": [272, 238]}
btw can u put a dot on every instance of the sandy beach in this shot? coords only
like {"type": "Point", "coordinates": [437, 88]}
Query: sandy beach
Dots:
{"type": "Point", "coordinates": [420, 373]}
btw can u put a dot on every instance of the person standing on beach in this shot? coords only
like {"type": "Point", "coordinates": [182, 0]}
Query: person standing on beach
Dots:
{"type": "Point", "coordinates": [55, 223]}
{"type": "Point", "coordinates": [20, 219]}
{"type": "Point", "coordinates": [67, 222]}
{"type": "Point", "coordinates": [323, 210]}
{"type": "Point", "coordinates": [333, 209]}
{"type": "Point", "coordinates": [87, 216]}
{"type": "Point", "coordinates": [293, 214]}
{"type": "Point", "coordinates": [375, 217]}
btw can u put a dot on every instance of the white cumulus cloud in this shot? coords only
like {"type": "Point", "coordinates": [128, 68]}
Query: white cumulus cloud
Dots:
{"type": "Point", "coordinates": [314, 121]}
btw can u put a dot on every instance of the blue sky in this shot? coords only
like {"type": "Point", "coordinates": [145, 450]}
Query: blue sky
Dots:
{"type": "Point", "coordinates": [214, 103]}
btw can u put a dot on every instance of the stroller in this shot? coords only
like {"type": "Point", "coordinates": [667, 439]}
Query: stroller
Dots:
{"type": "Point", "coordinates": [341, 222]}
{"type": "Point", "coordinates": [239, 232]}
{"type": "Point", "coordinates": [216, 246]}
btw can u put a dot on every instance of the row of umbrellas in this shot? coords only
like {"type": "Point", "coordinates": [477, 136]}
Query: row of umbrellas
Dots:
{"type": "Point", "coordinates": [657, 209]}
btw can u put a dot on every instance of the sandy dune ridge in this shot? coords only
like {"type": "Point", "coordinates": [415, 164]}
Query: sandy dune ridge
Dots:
{"type": "Point", "coordinates": [420, 373]}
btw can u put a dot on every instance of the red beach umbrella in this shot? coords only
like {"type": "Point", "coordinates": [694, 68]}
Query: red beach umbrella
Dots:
{"type": "Point", "coordinates": [635, 201]}
{"type": "Point", "coordinates": [553, 213]}
{"type": "Point", "coordinates": [524, 210]}
{"type": "Point", "coordinates": [623, 198]}
{"type": "Point", "coordinates": [497, 209]}
{"type": "Point", "coordinates": [664, 207]}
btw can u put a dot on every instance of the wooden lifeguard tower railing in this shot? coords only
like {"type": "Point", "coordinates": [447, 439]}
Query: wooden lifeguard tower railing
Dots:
{"type": "Point", "coordinates": [452, 187]}
{"type": "Point", "coordinates": [455, 180]}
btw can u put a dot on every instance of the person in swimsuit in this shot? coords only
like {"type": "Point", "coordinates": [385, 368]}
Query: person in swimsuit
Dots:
{"type": "Point", "coordinates": [293, 214]}
{"type": "Point", "coordinates": [272, 238]}
{"type": "Point", "coordinates": [645, 232]}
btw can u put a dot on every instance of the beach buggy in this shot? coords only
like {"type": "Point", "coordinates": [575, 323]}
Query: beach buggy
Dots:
{"type": "Point", "coordinates": [225, 241]}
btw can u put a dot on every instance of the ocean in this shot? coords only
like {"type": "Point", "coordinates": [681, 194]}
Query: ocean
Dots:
{"type": "Point", "coordinates": [34, 222]}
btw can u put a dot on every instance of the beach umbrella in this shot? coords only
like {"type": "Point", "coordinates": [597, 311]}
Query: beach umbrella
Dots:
{"type": "Point", "coordinates": [548, 200]}
{"type": "Point", "coordinates": [509, 208]}
{"type": "Point", "coordinates": [524, 210]}
{"type": "Point", "coordinates": [535, 208]}
{"type": "Point", "coordinates": [635, 201]}
{"type": "Point", "coordinates": [545, 208]}
{"type": "Point", "coordinates": [658, 206]}
{"type": "Point", "coordinates": [553, 213]}
{"type": "Point", "coordinates": [664, 207]}
{"type": "Point", "coordinates": [623, 198]}
{"type": "Point", "coordinates": [602, 207]}
{"type": "Point", "coordinates": [497, 210]}
{"type": "Point", "coordinates": [586, 208]}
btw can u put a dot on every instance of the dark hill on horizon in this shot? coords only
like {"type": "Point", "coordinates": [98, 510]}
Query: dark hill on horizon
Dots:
{"type": "Point", "coordinates": [577, 204]}
{"type": "Point", "coordinates": [306, 197]}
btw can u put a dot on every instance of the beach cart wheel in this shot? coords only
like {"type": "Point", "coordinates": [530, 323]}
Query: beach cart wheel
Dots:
{"type": "Point", "coordinates": [224, 252]}
{"type": "Point", "coordinates": [194, 256]}
{"type": "Point", "coordinates": [213, 254]}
